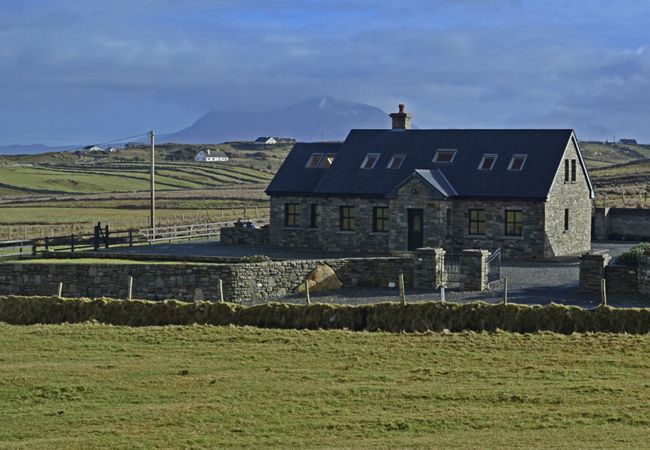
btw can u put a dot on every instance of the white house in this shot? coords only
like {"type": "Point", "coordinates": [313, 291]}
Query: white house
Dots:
{"type": "Point", "coordinates": [206, 155]}
{"type": "Point", "coordinates": [270, 140]}
{"type": "Point", "coordinates": [111, 149]}
{"type": "Point", "coordinates": [93, 148]}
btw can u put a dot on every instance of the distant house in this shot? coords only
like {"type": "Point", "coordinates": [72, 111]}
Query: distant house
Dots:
{"type": "Point", "coordinates": [92, 148]}
{"type": "Point", "coordinates": [266, 140]}
{"type": "Point", "coordinates": [208, 155]}
{"type": "Point", "coordinates": [111, 149]}
{"type": "Point", "coordinates": [628, 141]}
{"type": "Point", "coordinates": [384, 191]}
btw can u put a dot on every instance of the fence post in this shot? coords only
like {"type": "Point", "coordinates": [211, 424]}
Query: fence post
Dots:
{"type": "Point", "coordinates": [130, 238]}
{"type": "Point", "coordinates": [220, 290]}
{"type": "Point", "coordinates": [505, 290]}
{"type": "Point", "coordinates": [106, 238]}
{"type": "Point", "coordinates": [442, 294]}
{"type": "Point", "coordinates": [96, 236]}
{"type": "Point", "coordinates": [603, 292]}
{"type": "Point", "coordinates": [60, 289]}
{"type": "Point", "coordinates": [72, 242]}
{"type": "Point", "coordinates": [402, 292]}
{"type": "Point", "coordinates": [307, 292]}
{"type": "Point", "coordinates": [130, 287]}
{"type": "Point", "coordinates": [47, 243]}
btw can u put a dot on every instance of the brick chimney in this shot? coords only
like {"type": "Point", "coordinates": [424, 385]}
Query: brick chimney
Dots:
{"type": "Point", "coordinates": [401, 119]}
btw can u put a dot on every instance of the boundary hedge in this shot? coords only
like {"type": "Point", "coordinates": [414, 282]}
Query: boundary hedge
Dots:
{"type": "Point", "coordinates": [393, 317]}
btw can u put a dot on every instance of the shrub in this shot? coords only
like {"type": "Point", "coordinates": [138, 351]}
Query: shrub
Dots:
{"type": "Point", "coordinates": [631, 257]}
{"type": "Point", "coordinates": [254, 259]}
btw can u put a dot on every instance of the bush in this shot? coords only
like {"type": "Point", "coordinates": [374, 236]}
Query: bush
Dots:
{"type": "Point", "coordinates": [392, 317]}
{"type": "Point", "coordinates": [631, 257]}
{"type": "Point", "coordinates": [254, 259]}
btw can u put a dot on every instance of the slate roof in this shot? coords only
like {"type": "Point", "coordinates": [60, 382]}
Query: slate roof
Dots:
{"type": "Point", "coordinates": [459, 179]}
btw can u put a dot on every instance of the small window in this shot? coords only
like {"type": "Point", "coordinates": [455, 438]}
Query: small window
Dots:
{"type": "Point", "coordinates": [347, 220]}
{"type": "Point", "coordinates": [573, 170]}
{"type": "Point", "coordinates": [370, 160]}
{"type": "Point", "coordinates": [477, 221]}
{"type": "Point", "coordinates": [291, 214]}
{"type": "Point", "coordinates": [487, 163]}
{"type": "Point", "coordinates": [314, 213]}
{"type": "Point", "coordinates": [514, 225]}
{"type": "Point", "coordinates": [396, 161]}
{"type": "Point", "coordinates": [517, 162]}
{"type": "Point", "coordinates": [444, 156]}
{"type": "Point", "coordinates": [566, 219]}
{"type": "Point", "coordinates": [566, 170]}
{"type": "Point", "coordinates": [313, 160]}
{"type": "Point", "coordinates": [327, 161]}
{"type": "Point", "coordinates": [380, 219]}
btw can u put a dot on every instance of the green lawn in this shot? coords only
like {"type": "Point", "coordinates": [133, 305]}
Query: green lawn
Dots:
{"type": "Point", "coordinates": [74, 386]}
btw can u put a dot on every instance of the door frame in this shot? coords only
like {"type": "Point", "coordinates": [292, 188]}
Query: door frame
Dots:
{"type": "Point", "coordinates": [411, 213]}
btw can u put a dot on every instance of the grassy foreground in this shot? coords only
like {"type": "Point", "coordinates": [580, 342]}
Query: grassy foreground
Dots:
{"type": "Point", "coordinates": [88, 385]}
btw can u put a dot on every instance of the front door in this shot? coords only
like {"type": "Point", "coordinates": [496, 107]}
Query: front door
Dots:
{"type": "Point", "coordinates": [415, 233]}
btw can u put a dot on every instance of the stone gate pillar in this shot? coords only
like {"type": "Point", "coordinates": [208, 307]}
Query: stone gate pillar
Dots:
{"type": "Point", "coordinates": [592, 270]}
{"type": "Point", "coordinates": [427, 268]}
{"type": "Point", "coordinates": [474, 269]}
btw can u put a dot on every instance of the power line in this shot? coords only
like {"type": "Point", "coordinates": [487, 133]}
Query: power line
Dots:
{"type": "Point", "coordinates": [113, 141]}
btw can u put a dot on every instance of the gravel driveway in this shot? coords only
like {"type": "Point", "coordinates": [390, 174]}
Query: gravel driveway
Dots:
{"type": "Point", "coordinates": [529, 282]}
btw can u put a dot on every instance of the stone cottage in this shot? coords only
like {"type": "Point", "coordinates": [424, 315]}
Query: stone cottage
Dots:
{"type": "Point", "coordinates": [387, 191]}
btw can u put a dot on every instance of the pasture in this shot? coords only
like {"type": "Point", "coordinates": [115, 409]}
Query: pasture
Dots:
{"type": "Point", "coordinates": [89, 385]}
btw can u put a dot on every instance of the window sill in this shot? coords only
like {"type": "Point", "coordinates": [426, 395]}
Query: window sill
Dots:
{"type": "Point", "coordinates": [346, 232]}
{"type": "Point", "coordinates": [475, 236]}
{"type": "Point", "coordinates": [379, 233]}
{"type": "Point", "coordinates": [513, 238]}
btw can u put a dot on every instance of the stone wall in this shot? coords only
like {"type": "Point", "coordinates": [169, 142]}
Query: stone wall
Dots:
{"type": "Point", "coordinates": [573, 196]}
{"type": "Point", "coordinates": [246, 236]}
{"type": "Point", "coordinates": [621, 224]}
{"type": "Point", "coordinates": [619, 279]}
{"type": "Point", "coordinates": [644, 274]}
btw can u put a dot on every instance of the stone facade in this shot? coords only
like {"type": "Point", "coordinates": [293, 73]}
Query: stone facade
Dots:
{"type": "Point", "coordinates": [574, 197]}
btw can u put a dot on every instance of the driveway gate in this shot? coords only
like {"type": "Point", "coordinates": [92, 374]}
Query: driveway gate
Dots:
{"type": "Point", "coordinates": [450, 275]}
{"type": "Point", "coordinates": [494, 268]}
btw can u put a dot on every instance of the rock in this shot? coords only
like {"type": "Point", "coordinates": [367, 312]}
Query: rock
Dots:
{"type": "Point", "coordinates": [322, 278]}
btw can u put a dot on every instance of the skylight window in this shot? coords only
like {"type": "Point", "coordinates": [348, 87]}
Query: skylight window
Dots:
{"type": "Point", "coordinates": [370, 160]}
{"type": "Point", "coordinates": [313, 160]}
{"type": "Point", "coordinates": [487, 163]}
{"type": "Point", "coordinates": [396, 161]}
{"type": "Point", "coordinates": [444, 156]}
{"type": "Point", "coordinates": [327, 161]}
{"type": "Point", "coordinates": [517, 162]}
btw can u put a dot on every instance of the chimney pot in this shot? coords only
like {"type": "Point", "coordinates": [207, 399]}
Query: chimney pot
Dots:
{"type": "Point", "coordinates": [401, 120]}
{"type": "Point", "coordinates": [401, 108]}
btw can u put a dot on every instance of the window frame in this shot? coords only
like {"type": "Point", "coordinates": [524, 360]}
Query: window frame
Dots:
{"type": "Point", "coordinates": [347, 222]}
{"type": "Point", "coordinates": [574, 171]}
{"type": "Point", "coordinates": [380, 223]}
{"type": "Point", "coordinates": [523, 163]}
{"type": "Point", "coordinates": [314, 215]}
{"type": "Point", "coordinates": [392, 160]}
{"type": "Point", "coordinates": [514, 223]}
{"type": "Point", "coordinates": [436, 157]}
{"type": "Point", "coordinates": [324, 159]}
{"type": "Point", "coordinates": [291, 218]}
{"type": "Point", "coordinates": [365, 161]}
{"type": "Point", "coordinates": [311, 157]}
{"type": "Point", "coordinates": [488, 155]}
{"type": "Point", "coordinates": [478, 221]}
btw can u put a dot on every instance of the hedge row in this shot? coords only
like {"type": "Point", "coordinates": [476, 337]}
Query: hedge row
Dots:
{"type": "Point", "coordinates": [430, 316]}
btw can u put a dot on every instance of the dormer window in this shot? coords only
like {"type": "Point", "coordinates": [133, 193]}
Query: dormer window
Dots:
{"type": "Point", "coordinates": [370, 160]}
{"type": "Point", "coordinates": [313, 160]}
{"type": "Point", "coordinates": [487, 163]}
{"type": "Point", "coordinates": [444, 156]}
{"type": "Point", "coordinates": [327, 161]}
{"type": "Point", "coordinates": [517, 162]}
{"type": "Point", "coordinates": [396, 161]}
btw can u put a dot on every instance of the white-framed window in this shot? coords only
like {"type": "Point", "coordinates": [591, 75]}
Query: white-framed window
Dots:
{"type": "Point", "coordinates": [370, 160]}
{"type": "Point", "coordinates": [313, 160]}
{"type": "Point", "coordinates": [396, 161]}
{"type": "Point", "coordinates": [444, 156]}
{"type": "Point", "coordinates": [327, 161]}
{"type": "Point", "coordinates": [487, 162]}
{"type": "Point", "coordinates": [517, 162]}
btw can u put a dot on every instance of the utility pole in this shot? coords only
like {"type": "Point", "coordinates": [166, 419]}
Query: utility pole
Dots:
{"type": "Point", "coordinates": [153, 185]}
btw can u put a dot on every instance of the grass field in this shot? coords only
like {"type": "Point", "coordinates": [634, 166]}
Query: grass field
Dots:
{"type": "Point", "coordinates": [73, 386]}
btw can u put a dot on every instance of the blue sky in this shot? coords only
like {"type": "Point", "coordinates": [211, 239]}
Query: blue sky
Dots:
{"type": "Point", "coordinates": [77, 71]}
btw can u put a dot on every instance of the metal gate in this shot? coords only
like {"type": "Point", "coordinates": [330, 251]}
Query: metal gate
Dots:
{"type": "Point", "coordinates": [450, 275]}
{"type": "Point", "coordinates": [494, 268]}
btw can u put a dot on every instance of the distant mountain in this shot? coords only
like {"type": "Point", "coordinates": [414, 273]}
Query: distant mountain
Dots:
{"type": "Point", "coordinates": [316, 119]}
{"type": "Point", "coordinates": [30, 149]}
